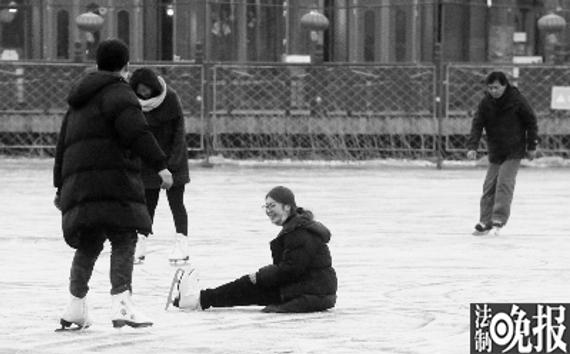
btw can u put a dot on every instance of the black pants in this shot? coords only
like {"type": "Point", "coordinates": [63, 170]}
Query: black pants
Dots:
{"type": "Point", "coordinates": [175, 197]}
{"type": "Point", "coordinates": [91, 244]}
{"type": "Point", "coordinates": [240, 292]}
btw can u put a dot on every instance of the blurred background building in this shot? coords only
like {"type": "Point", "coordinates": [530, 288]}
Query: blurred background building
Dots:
{"type": "Point", "coordinates": [267, 30]}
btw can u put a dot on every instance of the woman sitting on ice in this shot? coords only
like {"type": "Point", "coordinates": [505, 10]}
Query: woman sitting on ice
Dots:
{"type": "Point", "coordinates": [301, 278]}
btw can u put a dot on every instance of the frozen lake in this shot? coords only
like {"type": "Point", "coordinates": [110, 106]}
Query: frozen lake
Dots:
{"type": "Point", "coordinates": [407, 264]}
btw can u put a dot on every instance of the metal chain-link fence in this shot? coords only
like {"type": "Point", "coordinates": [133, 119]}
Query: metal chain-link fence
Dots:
{"type": "Point", "coordinates": [33, 102]}
{"type": "Point", "coordinates": [340, 112]}
{"type": "Point", "coordinates": [296, 111]}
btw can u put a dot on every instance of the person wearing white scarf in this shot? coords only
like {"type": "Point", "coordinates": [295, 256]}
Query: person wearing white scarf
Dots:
{"type": "Point", "coordinates": [151, 103]}
{"type": "Point", "coordinates": [161, 107]}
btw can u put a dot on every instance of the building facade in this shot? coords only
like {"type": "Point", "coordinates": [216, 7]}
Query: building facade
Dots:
{"type": "Point", "coordinates": [381, 31]}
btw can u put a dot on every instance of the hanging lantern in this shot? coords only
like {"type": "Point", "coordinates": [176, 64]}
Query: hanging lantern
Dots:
{"type": "Point", "coordinates": [89, 22]}
{"type": "Point", "coordinates": [551, 23]}
{"type": "Point", "coordinates": [7, 15]}
{"type": "Point", "coordinates": [314, 21]}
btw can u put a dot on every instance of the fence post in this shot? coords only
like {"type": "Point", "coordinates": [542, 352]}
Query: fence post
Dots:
{"type": "Point", "coordinates": [439, 77]}
{"type": "Point", "coordinates": [206, 104]}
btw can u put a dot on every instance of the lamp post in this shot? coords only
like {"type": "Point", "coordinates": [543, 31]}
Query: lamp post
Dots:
{"type": "Point", "coordinates": [551, 24]}
{"type": "Point", "coordinates": [316, 23]}
{"type": "Point", "coordinates": [89, 23]}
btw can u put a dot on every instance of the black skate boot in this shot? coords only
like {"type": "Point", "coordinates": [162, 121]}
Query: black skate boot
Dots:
{"type": "Point", "coordinates": [482, 229]}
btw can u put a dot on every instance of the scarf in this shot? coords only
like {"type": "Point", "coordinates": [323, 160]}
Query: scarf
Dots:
{"type": "Point", "coordinates": [153, 102]}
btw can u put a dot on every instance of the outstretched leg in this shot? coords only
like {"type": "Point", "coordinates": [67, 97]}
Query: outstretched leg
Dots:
{"type": "Point", "coordinates": [240, 292]}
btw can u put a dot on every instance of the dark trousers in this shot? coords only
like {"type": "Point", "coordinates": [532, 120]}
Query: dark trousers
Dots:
{"type": "Point", "coordinates": [122, 253]}
{"type": "Point", "coordinates": [498, 190]}
{"type": "Point", "coordinates": [240, 292]}
{"type": "Point", "coordinates": [175, 197]}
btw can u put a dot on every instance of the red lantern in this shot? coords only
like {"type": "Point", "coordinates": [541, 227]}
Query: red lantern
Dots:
{"type": "Point", "coordinates": [314, 21]}
{"type": "Point", "coordinates": [89, 22]}
{"type": "Point", "coordinates": [551, 23]}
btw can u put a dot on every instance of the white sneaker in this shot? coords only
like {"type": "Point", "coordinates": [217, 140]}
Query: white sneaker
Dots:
{"type": "Point", "coordinates": [188, 291]}
{"type": "Point", "coordinates": [124, 312]}
{"type": "Point", "coordinates": [140, 252]}
{"type": "Point", "coordinates": [76, 313]}
{"type": "Point", "coordinates": [179, 251]}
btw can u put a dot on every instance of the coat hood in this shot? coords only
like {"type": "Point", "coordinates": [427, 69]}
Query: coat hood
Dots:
{"type": "Point", "coordinates": [304, 219]}
{"type": "Point", "coordinates": [90, 85]}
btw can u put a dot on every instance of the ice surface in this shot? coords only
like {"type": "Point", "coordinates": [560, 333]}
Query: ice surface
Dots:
{"type": "Point", "coordinates": [407, 265]}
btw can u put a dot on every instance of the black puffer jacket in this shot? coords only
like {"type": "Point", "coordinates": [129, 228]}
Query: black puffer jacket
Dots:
{"type": "Point", "coordinates": [97, 166]}
{"type": "Point", "coordinates": [302, 263]}
{"type": "Point", "coordinates": [510, 125]}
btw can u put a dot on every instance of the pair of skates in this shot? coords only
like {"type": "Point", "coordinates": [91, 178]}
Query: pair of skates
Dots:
{"type": "Point", "coordinates": [76, 316]}
{"type": "Point", "coordinates": [184, 293]}
{"type": "Point", "coordinates": [179, 254]}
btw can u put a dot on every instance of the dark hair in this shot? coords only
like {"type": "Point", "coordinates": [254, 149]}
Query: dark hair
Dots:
{"type": "Point", "coordinates": [283, 195]}
{"type": "Point", "coordinates": [148, 78]}
{"type": "Point", "coordinates": [497, 76]}
{"type": "Point", "coordinates": [112, 55]}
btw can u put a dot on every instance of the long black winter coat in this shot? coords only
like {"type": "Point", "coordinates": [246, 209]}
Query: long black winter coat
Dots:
{"type": "Point", "coordinates": [167, 124]}
{"type": "Point", "coordinates": [302, 263]}
{"type": "Point", "coordinates": [97, 165]}
{"type": "Point", "coordinates": [510, 125]}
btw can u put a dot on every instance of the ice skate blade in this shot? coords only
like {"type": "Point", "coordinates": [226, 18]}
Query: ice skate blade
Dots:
{"type": "Point", "coordinates": [66, 326]}
{"type": "Point", "coordinates": [480, 233]}
{"type": "Point", "coordinates": [173, 284]}
{"type": "Point", "coordinates": [179, 262]}
{"type": "Point", "coordinates": [122, 323]}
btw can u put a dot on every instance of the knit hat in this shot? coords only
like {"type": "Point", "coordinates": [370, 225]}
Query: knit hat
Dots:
{"type": "Point", "coordinates": [283, 195]}
{"type": "Point", "coordinates": [148, 78]}
{"type": "Point", "coordinates": [112, 55]}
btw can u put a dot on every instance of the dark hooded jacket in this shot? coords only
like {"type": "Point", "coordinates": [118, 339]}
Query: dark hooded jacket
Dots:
{"type": "Point", "coordinates": [97, 165]}
{"type": "Point", "coordinates": [167, 125]}
{"type": "Point", "coordinates": [302, 263]}
{"type": "Point", "coordinates": [509, 123]}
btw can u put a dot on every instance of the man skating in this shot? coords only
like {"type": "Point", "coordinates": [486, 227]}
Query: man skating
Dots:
{"type": "Point", "coordinates": [512, 133]}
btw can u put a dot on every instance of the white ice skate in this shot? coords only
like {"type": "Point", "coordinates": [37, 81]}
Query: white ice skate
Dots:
{"type": "Point", "coordinates": [140, 252]}
{"type": "Point", "coordinates": [184, 290]}
{"type": "Point", "coordinates": [75, 314]}
{"type": "Point", "coordinates": [495, 231]}
{"type": "Point", "coordinates": [179, 253]}
{"type": "Point", "coordinates": [124, 312]}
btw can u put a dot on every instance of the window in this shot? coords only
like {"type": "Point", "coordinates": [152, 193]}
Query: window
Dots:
{"type": "Point", "coordinates": [369, 36]}
{"type": "Point", "coordinates": [123, 26]}
{"type": "Point", "coordinates": [62, 35]}
{"type": "Point", "coordinates": [400, 35]}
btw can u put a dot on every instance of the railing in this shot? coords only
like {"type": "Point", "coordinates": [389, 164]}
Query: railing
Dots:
{"type": "Point", "coordinates": [296, 111]}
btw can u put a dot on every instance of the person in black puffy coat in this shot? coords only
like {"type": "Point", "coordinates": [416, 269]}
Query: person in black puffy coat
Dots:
{"type": "Point", "coordinates": [99, 188]}
{"type": "Point", "coordinates": [163, 112]}
{"type": "Point", "coordinates": [300, 279]}
{"type": "Point", "coordinates": [512, 134]}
